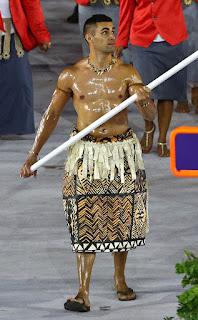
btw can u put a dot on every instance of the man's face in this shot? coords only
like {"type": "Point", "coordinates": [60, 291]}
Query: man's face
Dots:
{"type": "Point", "coordinates": [104, 37]}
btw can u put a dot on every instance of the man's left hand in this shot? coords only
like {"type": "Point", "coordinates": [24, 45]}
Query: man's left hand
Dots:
{"type": "Point", "coordinates": [143, 95]}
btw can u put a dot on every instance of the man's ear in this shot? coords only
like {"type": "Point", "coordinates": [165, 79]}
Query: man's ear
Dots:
{"type": "Point", "coordinates": [88, 37]}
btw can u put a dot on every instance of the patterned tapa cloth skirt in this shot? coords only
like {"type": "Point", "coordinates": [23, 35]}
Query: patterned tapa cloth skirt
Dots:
{"type": "Point", "coordinates": [16, 93]}
{"type": "Point", "coordinates": [158, 58]}
{"type": "Point", "coordinates": [105, 194]}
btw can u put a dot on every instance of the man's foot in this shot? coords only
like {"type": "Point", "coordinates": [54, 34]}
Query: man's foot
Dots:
{"type": "Point", "coordinates": [182, 107]}
{"type": "Point", "coordinates": [147, 140]}
{"type": "Point", "coordinates": [162, 149]}
{"type": "Point", "coordinates": [126, 295]}
{"type": "Point", "coordinates": [78, 304]}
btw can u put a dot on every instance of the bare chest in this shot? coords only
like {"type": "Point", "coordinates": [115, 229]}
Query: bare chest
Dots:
{"type": "Point", "coordinates": [106, 87]}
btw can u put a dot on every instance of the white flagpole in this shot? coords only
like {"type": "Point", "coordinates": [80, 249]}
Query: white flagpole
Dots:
{"type": "Point", "coordinates": [114, 111]}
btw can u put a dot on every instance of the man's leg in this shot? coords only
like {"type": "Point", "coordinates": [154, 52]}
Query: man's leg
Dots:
{"type": "Point", "coordinates": [119, 278]}
{"type": "Point", "coordinates": [165, 110]}
{"type": "Point", "coordinates": [85, 263]}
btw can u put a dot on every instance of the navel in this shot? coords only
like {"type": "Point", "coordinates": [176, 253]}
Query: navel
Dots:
{"type": "Point", "coordinates": [82, 97]}
{"type": "Point", "coordinates": [120, 96]}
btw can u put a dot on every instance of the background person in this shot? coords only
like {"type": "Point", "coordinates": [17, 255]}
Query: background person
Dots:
{"type": "Point", "coordinates": [157, 31]}
{"type": "Point", "coordinates": [190, 9]}
{"type": "Point", "coordinates": [74, 17]}
{"type": "Point", "coordinates": [190, 46]}
{"type": "Point", "coordinates": [22, 28]}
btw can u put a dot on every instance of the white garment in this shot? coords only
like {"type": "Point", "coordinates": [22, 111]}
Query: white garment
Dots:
{"type": "Point", "coordinates": [5, 13]}
{"type": "Point", "coordinates": [157, 39]}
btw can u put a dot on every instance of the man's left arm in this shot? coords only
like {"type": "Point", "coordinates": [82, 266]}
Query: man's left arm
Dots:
{"type": "Point", "coordinates": [144, 102]}
{"type": "Point", "coordinates": [35, 18]}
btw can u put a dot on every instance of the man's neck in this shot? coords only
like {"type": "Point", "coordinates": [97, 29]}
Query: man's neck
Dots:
{"type": "Point", "coordinates": [100, 60]}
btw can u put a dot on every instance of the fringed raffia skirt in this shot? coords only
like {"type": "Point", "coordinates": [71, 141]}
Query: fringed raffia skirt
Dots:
{"type": "Point", "coordinates": [105, 194]}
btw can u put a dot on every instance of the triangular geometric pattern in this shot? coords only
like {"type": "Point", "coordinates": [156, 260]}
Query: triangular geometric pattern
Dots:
{"type": "Point", "coordinates": [108, 247]}
{"type": "Point", "coordinates": [104, 215]}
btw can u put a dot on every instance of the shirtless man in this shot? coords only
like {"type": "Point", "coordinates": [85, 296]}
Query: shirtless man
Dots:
{"type": "Point", "coordinates": [95, 220]}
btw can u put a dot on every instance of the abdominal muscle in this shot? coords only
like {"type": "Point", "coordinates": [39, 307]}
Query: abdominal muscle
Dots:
{"type": "Point", "coordinates": [88, 113]}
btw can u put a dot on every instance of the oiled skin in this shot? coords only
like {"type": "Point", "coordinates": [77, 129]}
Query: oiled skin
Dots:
{"type": "Point", "coordinates": [93, 96]}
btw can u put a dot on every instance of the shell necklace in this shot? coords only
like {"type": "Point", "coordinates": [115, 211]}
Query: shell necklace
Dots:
{"type": "Point", "coordinates": [101, 71]}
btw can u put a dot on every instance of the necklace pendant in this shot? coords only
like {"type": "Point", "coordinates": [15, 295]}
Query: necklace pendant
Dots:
{"type": "Point", "coordinates": [100, 72]}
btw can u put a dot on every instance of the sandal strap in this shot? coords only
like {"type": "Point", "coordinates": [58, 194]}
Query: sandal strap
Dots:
{"type": "Point", "coordinates": [148, 132]}
{"type": "Point", "coordinates": [78, 297]}
{"type": "Point", "coordinates": [162, 143]}
{"type": "Point", "coordinates": [125, 292]}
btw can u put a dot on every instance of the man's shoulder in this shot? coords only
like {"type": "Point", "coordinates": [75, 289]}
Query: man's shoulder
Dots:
{"type": "Point", "coordinates": [128, 72]}
{"type": "Point", "coordinates": [69, 74]}
{"type": "Point", "coordinates": [73, 69]}
{"type": "Point", "coordinates": [125, 67]}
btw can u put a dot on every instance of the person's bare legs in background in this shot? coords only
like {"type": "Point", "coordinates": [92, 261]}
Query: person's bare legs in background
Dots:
{"type": "Point", "coordinates": [165, 110]}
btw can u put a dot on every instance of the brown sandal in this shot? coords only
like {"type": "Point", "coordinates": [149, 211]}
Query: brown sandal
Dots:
{"type": "Point", "coordinates": [124, 293]}
{"type": "Point", "coordinates": [76, 306]}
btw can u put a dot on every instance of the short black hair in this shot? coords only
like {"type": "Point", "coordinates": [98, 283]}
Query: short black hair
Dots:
{"type": "Point", "coordinates": [91, 22]}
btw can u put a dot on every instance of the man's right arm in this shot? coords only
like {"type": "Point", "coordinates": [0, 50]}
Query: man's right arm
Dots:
{"type": "Point", "coordinates": [49, 120]}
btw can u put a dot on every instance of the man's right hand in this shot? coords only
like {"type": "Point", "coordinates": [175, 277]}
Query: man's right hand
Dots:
{"type": "Point", "coordinates": [25, 172]}
{"type": "Point", "coordinates": [118, 52]}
